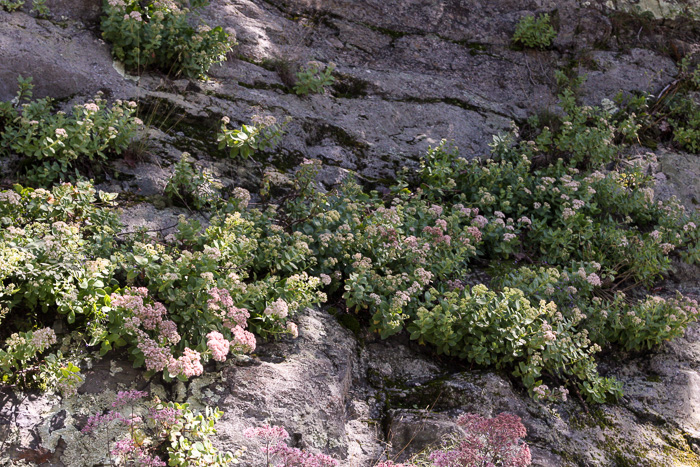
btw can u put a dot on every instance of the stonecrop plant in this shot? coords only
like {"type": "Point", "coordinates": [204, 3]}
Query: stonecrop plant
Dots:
{"type": "Point", "coordinates": [149, 433]}
{"type": "Point", "coordinates": [263, 134]}
{"type": "Point", "coordinates": [174, 304]}
{"type": "Point", "coordinates": [403, 258]}
{"type": "Point", "coordinates": [158, 34]}
{"type": "Point", "coordinates": [11, 5]}
{"type": "Point", "coordinates": [314, 78]}
{"type": "Point", "coordinates": [535, 32]}
{"type": "Point", "coordinates": [55, 144]}
{"type": "Point", "coordinates": [564, 221]}
{"type": "Point", "coordinates": [192, 187]}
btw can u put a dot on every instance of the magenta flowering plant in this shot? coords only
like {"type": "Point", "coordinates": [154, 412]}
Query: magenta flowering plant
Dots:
{"type": "Point", "coordinates": [153, 337]}
{"type": "Point", "coordinates": [150, 432]}
{"type": "Point", "coordinates": [485, 442]}
{"type": "Point", "coordinates": [203, 294]}
{"type": "Point", "coordinates": [479, 442]}
{"type": "Point", "coordinates": [279, 454]}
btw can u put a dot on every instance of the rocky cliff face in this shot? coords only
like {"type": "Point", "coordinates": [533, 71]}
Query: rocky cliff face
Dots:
{"type": "Point", "coordinates": [411, 73]}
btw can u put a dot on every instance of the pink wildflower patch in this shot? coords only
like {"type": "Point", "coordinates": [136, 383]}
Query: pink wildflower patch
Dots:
{"type": "Point", "coordinates": [218, 345]}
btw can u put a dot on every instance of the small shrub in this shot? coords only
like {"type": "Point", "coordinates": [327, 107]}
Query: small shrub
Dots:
{"type": "Point", "coordinates": [151, 431]}
{"type": "Point", "coordinates": [534, 32]}
{"type": "Point", "coordinates": [58, 143]}
{"type": "Point", "coordinates": [195, 189]}
{"type": "Point", "coordinates": [264, 134]}
{"type": "Point", "coordinates": [39, 7]}
{"type": "Point", "coordinates": [684, 118]}
{"type": "Point", "coordinates": [314, 78]}
{"type": "Point", "coordinates": [505, 330]}
{"type": "Point", "coordinates": [20, 363]}
{"type": "Point", "coordinates": [11, 5]}
{"type": "Point", "coordinates": [158, 34]}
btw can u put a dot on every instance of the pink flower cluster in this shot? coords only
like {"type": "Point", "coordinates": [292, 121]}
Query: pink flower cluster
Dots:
{"type": "Point", "coordinates": [438, 232]}
{"type": "Point", "coordinates": [189, 364]}
{"type": "Point", "coordinates": [233, 318]}
{"type": "Point", "coordinates": [128, 450]}
{"type": "Point", "coordinates": [128, 397]}
{"type": "Point", "coordinates": [150, 317]}
{"type": "Point", "coordinates": [487, 441]}
{"type": "Point", "coordinates": [218, 345]}
{"type": "Point", "coordinates": [221, 303]}
{"type": "Point", "coordinates": [157, 352]}
{"type": "Point", "coordinates": [98, 420]}
{"type": "Point", "coordinates": [279, 309]}
{"type": "Point", "coordinates": [243, 341]}
{"type": "Point", "coordinates": [167, 415]}
{"type": "Point", "coordinates": [273, 438]}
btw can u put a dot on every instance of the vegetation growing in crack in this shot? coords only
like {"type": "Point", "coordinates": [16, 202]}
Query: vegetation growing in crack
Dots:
{"type": "Point", "coordinates": [191, 187]}
{"type": "Point", "coordinates": [566, 202]}
{"type": "Point", "coordinates": [314, 78]}
{"type": "Point", "coordinates": [150, 430]}
{"type": "Point", "coordinates": [56, 144]}
{"type": "Point", "coordinates": [263, 134]}
{"type": "Point", "coordinates": [534, 32]}
{"type": "Point", "coordinates": [158, 34]}
{"type": "Point", "coordinates": [38, 7]}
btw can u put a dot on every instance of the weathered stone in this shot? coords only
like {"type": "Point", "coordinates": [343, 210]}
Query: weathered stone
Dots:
{"type": "Point", "coordinates": [62, 61]}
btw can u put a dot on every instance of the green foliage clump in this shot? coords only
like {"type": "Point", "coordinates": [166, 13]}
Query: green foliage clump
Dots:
{"type": "Point", "coordinates": [158, 34]}
{"type": "Point", "coordinates": [195, 189]}
{"type": "Point", "coordinates": [565, 202]}
{"type": "Point", "coordinates": [19, 362]}
{"type": "Point", "coordinates": [38, 6]}
{"type": "Point", "coordinates": [551, 200]}
{"type": "Point", "coordinates": [55, 247]}
{"type": "Point", "coordinates": [53, 260]}
{"type": "Point", "coordinates": [314, 78]}
{"type": "Point", "coordinates": [264, 134]}
{"type": "Point", "coordinates": [633, 324]}
{"type": "Point", "coordinates": [534, 32]}
{"type": "Point", "coordinates": [685, 120]}
{"type": "Point", "coordinates": [57, 144]}
{"type": "Point", "coordinates": [11, 5]}
{"type": "Point", "coordinates": [59, 256]}
{"type": "Point", "coordinates": [504, 330]}
{"type": "Point", "coordinates": [151, 430]}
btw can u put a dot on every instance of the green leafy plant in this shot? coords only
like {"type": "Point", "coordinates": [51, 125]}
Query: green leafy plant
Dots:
{"type": "Point", "coordinates": [191, 187]}
{"type": "Point", "coordinates": [39, 7]}
{"type": "Point", "coordinates": [534, 32]}
{"type": "Point", "coordinates": [11, 5]}
{"type": "Point", "coordinates": [150, 431]}
{"type": "Point", "coordinates": [159, 35]}
{"type": "Point", "coordinates": [58, 143]}
{"type": "Point", "coordinates": [55, 247]}
{"type": "Point", "coordinates": [504, 330]}
{"type": "Point", "coordinates": [685, 121]}
{"type": "Point", "coordinates": [314, 78]}
{"type": "Point", "coordinates": [20, 363]}
{"type": "Point", "coordinates": [264, 134]}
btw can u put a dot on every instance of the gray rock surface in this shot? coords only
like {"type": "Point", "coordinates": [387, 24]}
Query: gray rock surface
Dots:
{"type": "Point", "coordinates": [64, 59]}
